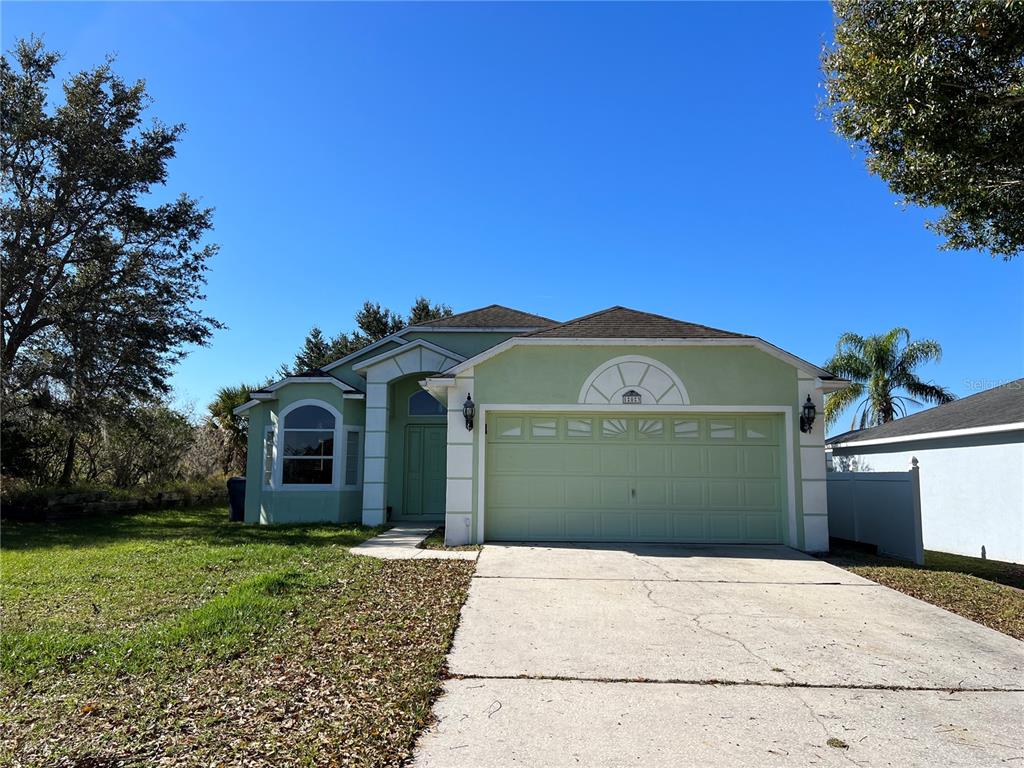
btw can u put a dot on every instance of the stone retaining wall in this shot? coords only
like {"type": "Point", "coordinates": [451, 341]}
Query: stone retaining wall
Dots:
{"type": "Point", "coordinates": [94, 503]}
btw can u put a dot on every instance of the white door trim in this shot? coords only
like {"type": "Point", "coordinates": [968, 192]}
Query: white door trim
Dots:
{"type": "Point", "coordinates": [785, 410]}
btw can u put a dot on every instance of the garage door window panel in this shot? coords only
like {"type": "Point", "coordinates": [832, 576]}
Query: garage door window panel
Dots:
{"type": "Point", "coordinates": [686, 429]}
{"type": "Point", "coordinates": [723, 429]}
{"type": "Point", "coordinates": [579, 429]}
{"type": "Point", "coordinates": [650, 429]}
{"type": "Point", "coordinates": [758, 430]}
{"type": "Point", "coordinates": [541, 429]}
{"type": "Point", "coordinates": [508, 427]}
{"type": "Point", "coordinates": [615, 429]}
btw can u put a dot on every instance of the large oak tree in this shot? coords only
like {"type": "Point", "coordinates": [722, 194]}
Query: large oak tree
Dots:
{"type": "Point", "coordinates": [100, 279]}
{"type": "Point", "coordinates": [933, 93]}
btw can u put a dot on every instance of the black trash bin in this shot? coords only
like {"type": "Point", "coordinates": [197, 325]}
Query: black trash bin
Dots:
{"type": "Point", "coordinates": [236, 498]}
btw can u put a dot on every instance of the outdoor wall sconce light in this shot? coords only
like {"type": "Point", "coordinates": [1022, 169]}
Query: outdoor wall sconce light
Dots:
{"type": "Point", "coordinates": [469, 411]}
{"type": "Point", "coordinates": [807, 414]}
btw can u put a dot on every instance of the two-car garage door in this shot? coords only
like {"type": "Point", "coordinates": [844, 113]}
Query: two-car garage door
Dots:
{"type": "Point", "coordinates": [634, 477]}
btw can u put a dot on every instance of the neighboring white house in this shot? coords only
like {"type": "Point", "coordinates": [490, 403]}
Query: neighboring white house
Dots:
{"type": "Point", "coordinates": [971, 455]}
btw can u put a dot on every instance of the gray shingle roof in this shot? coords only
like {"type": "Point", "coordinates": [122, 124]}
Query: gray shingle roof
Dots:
{"type": "Point", "coordinates": [624, 323]}
{"type": "Point", "coordinates": [492, 316]}
{"type": "Point", "coordinates": [1000, 405]}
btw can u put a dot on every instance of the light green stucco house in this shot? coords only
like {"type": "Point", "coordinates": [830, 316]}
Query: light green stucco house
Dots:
{"type": "Point", "coordinates": [616, 426]}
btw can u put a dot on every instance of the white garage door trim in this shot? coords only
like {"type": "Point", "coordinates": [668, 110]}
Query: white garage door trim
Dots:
{"type": "Point", "coordinates": [785, 410]}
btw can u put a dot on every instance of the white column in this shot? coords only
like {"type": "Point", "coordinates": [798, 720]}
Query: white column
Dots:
{"type": "Point", "coordinates": [375, 455]}
{"type": "Point", "coordinates": [812, 468]}
{"type": "Point", "coordinates": [458, 510]}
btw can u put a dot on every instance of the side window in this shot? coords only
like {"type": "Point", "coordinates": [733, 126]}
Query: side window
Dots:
{"type": "Point", "coordinates": [268, 456]}
{"type": "Point", "coordinates": [352, 457]}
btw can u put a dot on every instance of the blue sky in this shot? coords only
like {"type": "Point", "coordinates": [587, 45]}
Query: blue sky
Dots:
{"type": "Point", "coordinates": [556, 158]}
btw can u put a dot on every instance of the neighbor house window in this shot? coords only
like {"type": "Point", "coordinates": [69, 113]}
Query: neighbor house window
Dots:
{"type": "Point", "coordinates": [268, 456]}
{"type": "Point", "coordinates": [308, 443]}
{"type": "Point", "coordinates": [423, 404]}
{"type": "Point", "coordinates": [352, 457]}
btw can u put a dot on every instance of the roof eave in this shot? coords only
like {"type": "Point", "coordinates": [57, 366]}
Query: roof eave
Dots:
{"type": "Point", "coordinates": [933, 435]}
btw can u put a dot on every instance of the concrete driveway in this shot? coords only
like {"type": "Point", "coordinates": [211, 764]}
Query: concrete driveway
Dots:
{"type": "Point", "coordinates": [621, 655]}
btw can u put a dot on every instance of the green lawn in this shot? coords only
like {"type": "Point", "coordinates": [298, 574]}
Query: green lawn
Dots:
{"type": "Point", "coordinates": [178, 636]}
{"type": "Point", "coordinates": [986, 591]}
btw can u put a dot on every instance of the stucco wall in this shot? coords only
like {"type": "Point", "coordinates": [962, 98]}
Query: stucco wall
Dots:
{"type": "Point", "coordinates": [712, 375]}
{"type": "Point", "coordinates": [972, 490]}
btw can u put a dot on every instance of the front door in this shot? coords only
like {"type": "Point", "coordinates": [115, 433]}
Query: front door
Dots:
{"type": "Point", "coordinates": [425, 447]}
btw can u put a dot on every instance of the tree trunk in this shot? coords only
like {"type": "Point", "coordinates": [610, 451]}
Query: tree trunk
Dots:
{"type": "Point", "coordinates": [69, 459]}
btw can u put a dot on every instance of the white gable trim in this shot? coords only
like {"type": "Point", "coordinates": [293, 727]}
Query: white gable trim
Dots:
{"type": "Point", "coordinates": [405, 348]}
{"type": "Point", "coordinates": [310, 380]}
{"type": "Point", "coordinates": [769, 349]}
{"type": "Point", "coordinates": [395, 337]}
{"type": "Point", "coordinates": [268, 392]}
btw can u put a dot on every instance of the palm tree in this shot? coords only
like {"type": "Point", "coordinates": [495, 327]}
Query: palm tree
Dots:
{"type": "Point", "coordinates": [233, 428]}
{"type": "Point", "coordinates": [881, 367]}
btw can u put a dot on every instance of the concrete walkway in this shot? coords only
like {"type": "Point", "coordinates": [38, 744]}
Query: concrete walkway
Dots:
{"type": "Point", "coordinates": [400, 543]}
{"type": "Point", "coordinates": [715, 656]}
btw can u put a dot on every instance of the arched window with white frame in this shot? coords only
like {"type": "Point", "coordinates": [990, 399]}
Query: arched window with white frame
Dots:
{"type": "Point", "coordinates": [308, 453]}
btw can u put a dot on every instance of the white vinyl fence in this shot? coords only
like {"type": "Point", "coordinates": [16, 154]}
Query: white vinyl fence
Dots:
{"type": "Point", "coordinates": [880, 508]}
